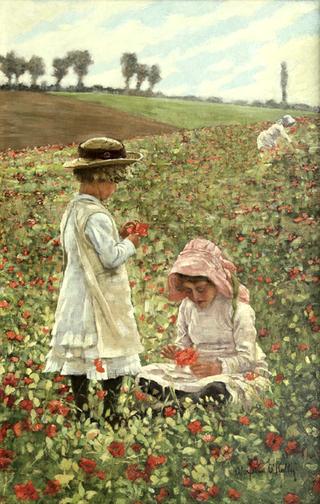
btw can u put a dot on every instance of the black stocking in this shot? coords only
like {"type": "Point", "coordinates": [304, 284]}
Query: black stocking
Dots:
{"type": "Point", "coordinates": [112, 387]}
{"type": "Point", "coordinates": [79, 384]}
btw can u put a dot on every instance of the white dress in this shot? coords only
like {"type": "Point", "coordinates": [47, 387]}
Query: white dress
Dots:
{"type": "Point", "coordinates": [268, 138]}
{"type": "Point", "coordinates": [211, 331]}
{"type": "Point", "coordinates": [74, 335]}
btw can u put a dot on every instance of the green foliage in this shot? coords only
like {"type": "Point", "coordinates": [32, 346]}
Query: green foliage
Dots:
{"type": "Point", "coordinates": [262, 211]}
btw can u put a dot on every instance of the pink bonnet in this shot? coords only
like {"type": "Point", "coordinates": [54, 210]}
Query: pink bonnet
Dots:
{"type": "Point", "coordinates": [202, 257]}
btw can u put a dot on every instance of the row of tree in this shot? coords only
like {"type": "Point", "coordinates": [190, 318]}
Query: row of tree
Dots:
{"type": "Point", "coordinates": [131, 67]}
{"type": "Point", "coordinates": [14, 66]}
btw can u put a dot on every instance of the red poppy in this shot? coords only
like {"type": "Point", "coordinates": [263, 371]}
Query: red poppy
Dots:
{"type": "Point", "coordinates": [4, 462]}
{"type": "Point", "coordinates": [117, 449]}
{"type": "Point", "coordinates": [303, 347]}
{"type": "Point", "coordinates": [250, 375]}
{"type": "Point", "coordinates": [255, 465]}
{"type": "Point", "coordinates": [51, 430]}
{"type": "Point", "coordinates": [279, 378]}
{"type": "Point", "coordinates": [208, 438]}
{"type": "Point", "coordinates": [87, 465]}
{"type": "Point", "coordinates": [186, 481]}
{"type": "Point", "coordinates": [26, 404]}
{"type": "Point", "coordinates": [234, 494]}
{"type": "Point", "coordinates": [316, 484]}
{"type": "Point", "coordinates": [195, 426]}
{"type": "Point", "coordinates": [315, 412]}
{"type": "Point", "coordinates": [186, 357]}
{"type": "Point", "coordinates": [213, 491]}
{"type": "Point", "coordinates": [10, 379]}
{"type": "Point", "coordinates": [133, 472]}
{"type": "Point", "coordinates": [163, 493]}
{"type": "Point", "coordinates": [169, 411]}
{"type": "Point", "coordinates": [155, 460]}
{"type": "Point", "coordinates": [56, 406]}
{"type": "Point", "coordinates": [292, 447]}
{"type": "Point", "coordinates": [52, 488]}
{"type": "Point", "coordinates": [26, 491]}
{"type": "Point", "coordinates": [269, 403]}
{"type": "Point", "coordinates": [215, 452]}
{"type": "Point", "coordinates": [140, 396]}
{"type": "Point", "coordinates": [136, 447]}
{"type": "Point", "coordinates": [291, 498]}
{"type": "Point", "coordinates": [273, 441]}
{"type": "Point", "coordinates": [101, 475]}
{"type": "Point", "coordinates": [99, 366]}
{"type": "Point", "coordinates": [275, 347]}
{"type": "Point", "coordinates": [101, 394]}
{"type": "Point", "coordinates": [244, 420]}
{"type": "Point", "coordinates": [139, 228]}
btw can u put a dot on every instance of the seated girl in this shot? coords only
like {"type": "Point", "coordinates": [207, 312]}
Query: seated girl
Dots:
{"type": "Point", "coordinates": [216, 333]}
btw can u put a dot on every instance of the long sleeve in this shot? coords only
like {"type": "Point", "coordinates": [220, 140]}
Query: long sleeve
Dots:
{"type": "Point", "coordinates": [111, 253]}
{"type": "Point", "coordinates": [284, 135]}
{"type": "Point", "coordinates": [183, 339]}
{"type": "Point", "coordinates": [244, 334]}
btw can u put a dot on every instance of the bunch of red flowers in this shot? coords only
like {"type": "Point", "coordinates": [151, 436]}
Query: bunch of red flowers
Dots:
{"type": "Point", "coordinates": [186, 357]}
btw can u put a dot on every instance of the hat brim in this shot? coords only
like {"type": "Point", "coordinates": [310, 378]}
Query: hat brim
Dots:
{"type": "Point", "coordinates": [82, 163]}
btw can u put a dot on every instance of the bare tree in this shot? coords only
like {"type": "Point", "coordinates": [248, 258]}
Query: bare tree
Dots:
{"type": "Point", "coordinates": [154, 76]}
{"type": "Point", "coordinates": [60, 69]}
{"type": "Point", "coordinates": [36, 68]}
{"type": "Point", "coordinates": [129, 64]}
{"type": "Point", "coordinates": [142, 74]}
{"type": "Point", "coordinates": [284, 81]}
{"type": "Point", "coordinates": [80, 60]}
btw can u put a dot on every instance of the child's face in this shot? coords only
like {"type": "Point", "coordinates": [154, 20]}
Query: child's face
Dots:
{"type": "Point", "coordinates": [201, 293]}
{"type": "Point", "coordinates": [106, 189]}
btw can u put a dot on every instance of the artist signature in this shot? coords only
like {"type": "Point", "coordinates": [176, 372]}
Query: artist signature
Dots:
{"type": "Point", "coordinates": [277, 468]}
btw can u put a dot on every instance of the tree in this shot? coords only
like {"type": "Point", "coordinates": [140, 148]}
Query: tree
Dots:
{"type": "Point", "coordinates": [9, 66]}
{"type": "Point", "coordinates": [284, 81]}
{"type": "Point", "coordinates": [20, 67]}
{"type": "Point", "coordinates": [142, 73]}
{"type": "Point", "coordinates": [60, 69]}
{"type": "Point", "coordinates": [80, 60]}
{"type": "Point", "coordinates": [129, 63]}
{"type": "Point", "coordinates": [36, 68]}
{"type": "Point", "coordinates": [154, 76]}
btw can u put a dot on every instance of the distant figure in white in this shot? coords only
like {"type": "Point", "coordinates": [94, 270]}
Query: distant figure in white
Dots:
{"type": "Point", "coordinates": [268, 138]}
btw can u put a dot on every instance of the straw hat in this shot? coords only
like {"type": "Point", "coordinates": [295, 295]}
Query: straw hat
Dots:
{"type": "Point", "coordinates": [100, 152]}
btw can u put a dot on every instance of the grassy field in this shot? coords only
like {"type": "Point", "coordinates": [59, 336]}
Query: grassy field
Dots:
{"type": "Point", "coordinates": [264, 213]}
{"type": "Point", "coordinates": [183, 113]}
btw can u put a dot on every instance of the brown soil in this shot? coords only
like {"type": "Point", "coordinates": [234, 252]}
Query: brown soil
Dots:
{"type": "Point", "coordinates": [30, 119]}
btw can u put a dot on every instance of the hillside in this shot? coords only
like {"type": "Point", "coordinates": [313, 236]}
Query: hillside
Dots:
{"type": "Point", "coordinates": [184, 113]}
{"type": "Point", "coordinates": [33, 119]}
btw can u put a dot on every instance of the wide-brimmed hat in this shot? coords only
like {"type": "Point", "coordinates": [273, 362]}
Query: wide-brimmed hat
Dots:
{"type": "Point", "coordinates": [99, 152]}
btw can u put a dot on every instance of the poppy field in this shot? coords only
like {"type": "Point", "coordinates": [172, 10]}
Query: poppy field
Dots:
{"type": "Point", "coordinates": [262, 211]}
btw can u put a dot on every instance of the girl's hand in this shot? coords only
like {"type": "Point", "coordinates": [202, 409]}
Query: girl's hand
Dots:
{"type": "Point", "coordinates": [204, 369]}
{"type": "Point", "coordinates": [169, 351]}
{"type": "Point", "coordinates": [135, 239]}
{"type": "Point", "coordinates": [124, 233]}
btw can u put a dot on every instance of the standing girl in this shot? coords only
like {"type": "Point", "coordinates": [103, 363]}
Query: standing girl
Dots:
{"type": "Point", "coordinates": [95, 334]}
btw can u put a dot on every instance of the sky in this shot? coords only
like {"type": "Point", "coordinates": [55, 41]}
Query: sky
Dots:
{"type": "Point", "coordinates": [230, 49]}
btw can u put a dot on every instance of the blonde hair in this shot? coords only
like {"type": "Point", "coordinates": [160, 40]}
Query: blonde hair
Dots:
{"type": "Point", "coordinates": [103, 174]}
